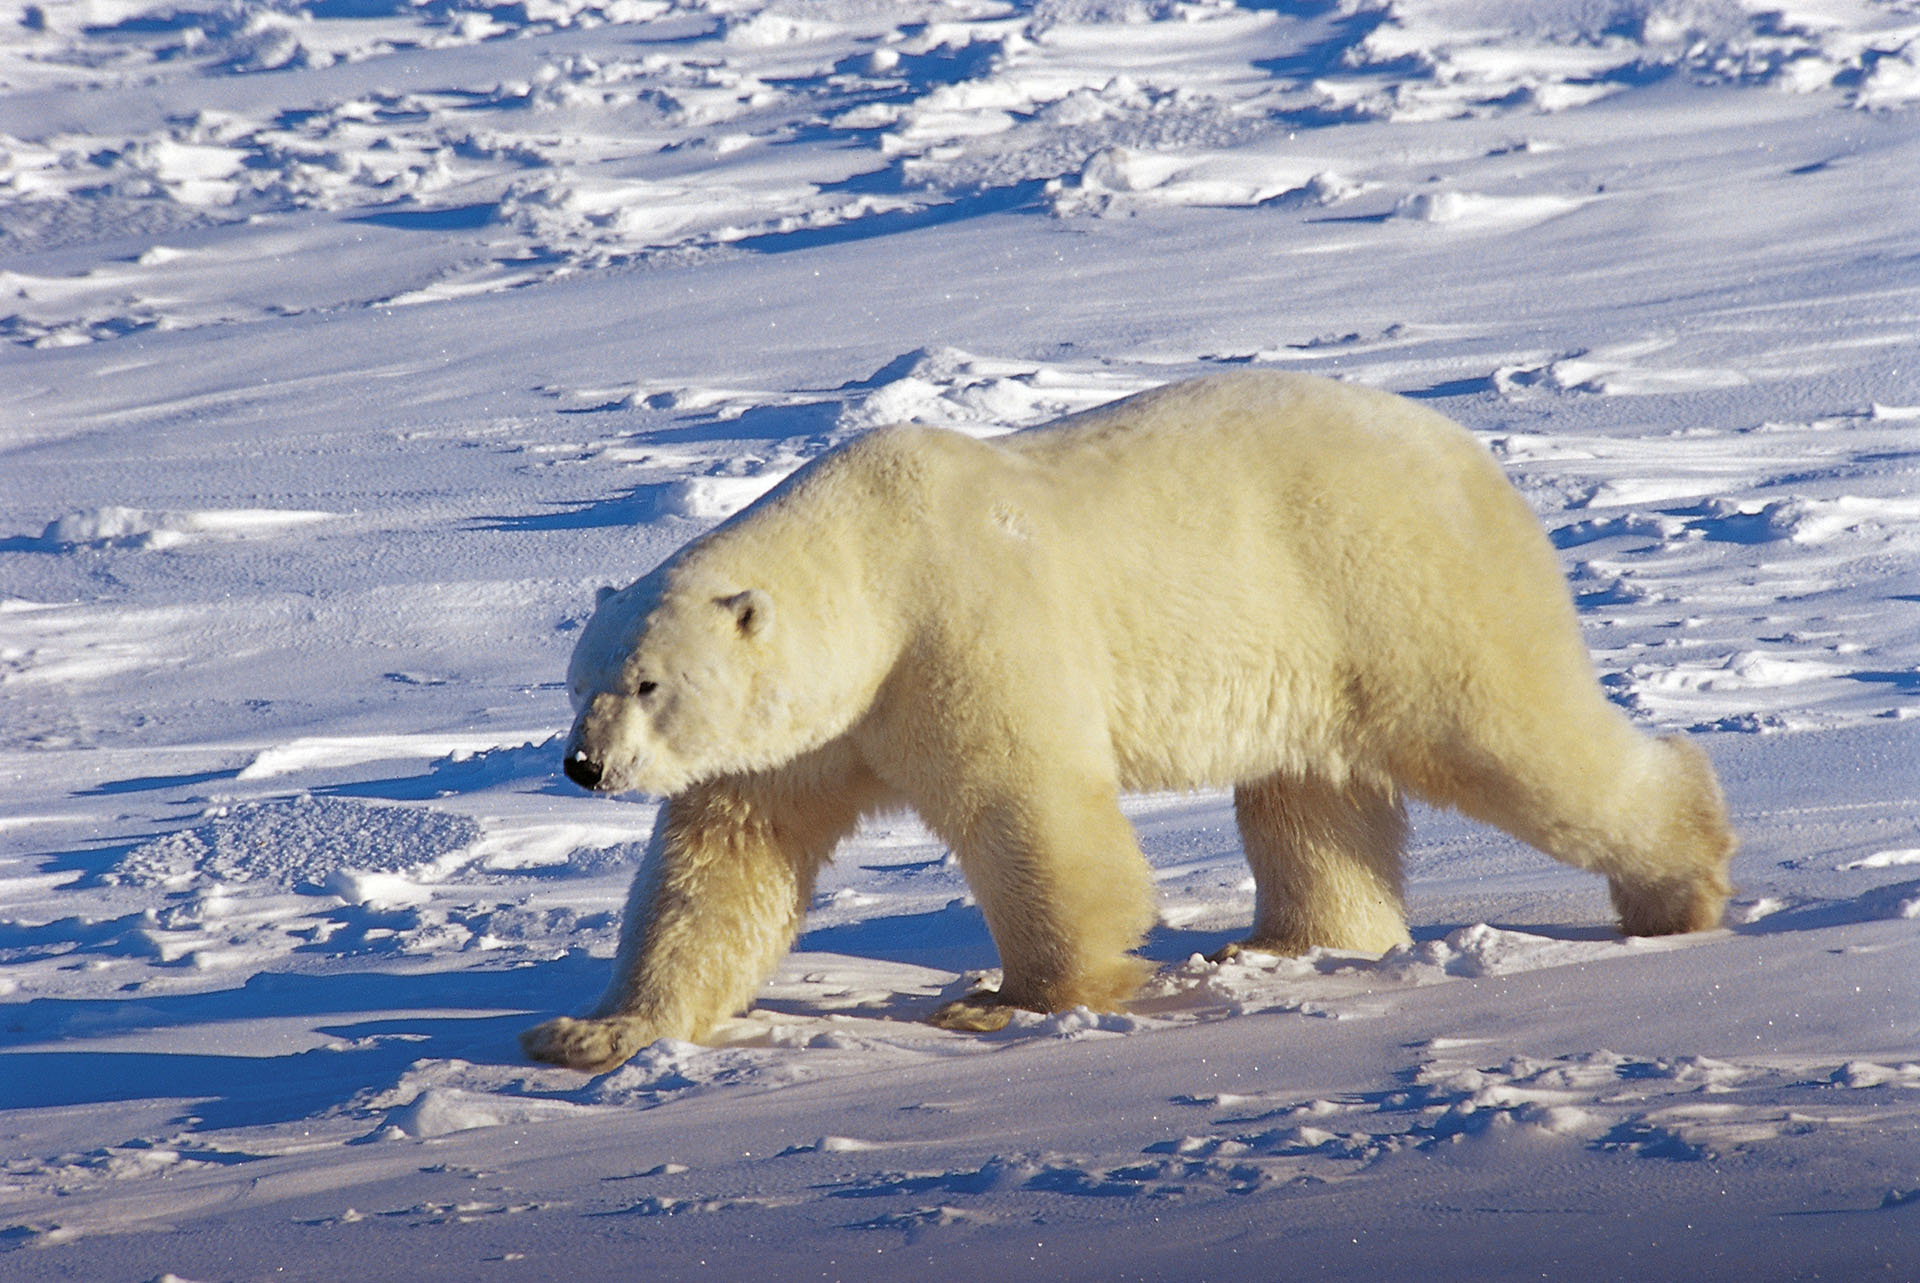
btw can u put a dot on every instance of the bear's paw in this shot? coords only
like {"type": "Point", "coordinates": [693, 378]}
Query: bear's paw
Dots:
{"type": "Point", "coordinates": [590, 1046]}
{"type": "Point", "coordinates": [1671, 908]}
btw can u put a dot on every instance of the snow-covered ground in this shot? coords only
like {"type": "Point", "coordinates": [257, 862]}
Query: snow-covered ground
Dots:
{"type": "Point", "coordinates": [349, 344]}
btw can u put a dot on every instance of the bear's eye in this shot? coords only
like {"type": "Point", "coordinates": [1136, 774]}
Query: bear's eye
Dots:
{"type": "Point", "coordinates": [645, 689]}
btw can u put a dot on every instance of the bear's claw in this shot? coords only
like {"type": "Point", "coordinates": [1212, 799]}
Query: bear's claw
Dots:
{"type": "Point", "coordinates": [590, 1046]}
{"type": "Point", "coordinates": [980, 1012]}
{"type": "Point", "coordinates": [1228, 952]}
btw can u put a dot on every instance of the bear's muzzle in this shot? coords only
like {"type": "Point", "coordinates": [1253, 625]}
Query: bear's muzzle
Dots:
{"type": "Point", "coordinates": [583, 770]}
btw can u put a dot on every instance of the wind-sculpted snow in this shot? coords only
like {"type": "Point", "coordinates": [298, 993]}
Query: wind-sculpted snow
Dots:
{"type": "Point", "coordinates": [350, 345]}
{"type": "Point", "coordinates": [707, 128]}
{"type": "Point", "coordinates": [305, 841]}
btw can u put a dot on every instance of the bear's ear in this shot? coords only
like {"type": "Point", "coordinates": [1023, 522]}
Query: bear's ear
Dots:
{"type": "Point", "coordinates": [602, 593]}
{"type": "Point", "coordinates": [752, 611]}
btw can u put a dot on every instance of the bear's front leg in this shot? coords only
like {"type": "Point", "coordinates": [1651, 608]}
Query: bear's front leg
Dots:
{"type": "Point", "coordinates": [714, 907]}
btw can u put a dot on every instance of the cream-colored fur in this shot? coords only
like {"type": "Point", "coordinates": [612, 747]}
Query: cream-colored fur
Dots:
{"type": "Point", "coordinates": [1321, 596]}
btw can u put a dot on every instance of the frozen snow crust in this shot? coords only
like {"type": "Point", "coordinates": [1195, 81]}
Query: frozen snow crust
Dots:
{"type": "Point", "coordinates": [346, 347]}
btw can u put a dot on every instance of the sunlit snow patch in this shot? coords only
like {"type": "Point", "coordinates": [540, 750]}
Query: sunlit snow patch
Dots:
{"type": "Point", "coordinates": [948, 387]}
{"type": "Point", "coordinates": [1473, 211]}
{"type": "Point", "coordinates": [323, 752]}
{"type": "Point", "coordinates": [1883, 860]}
{"type": "Point", "coordinates": [117, 527]}
{"type": "Point", "coordinates": [442, 1111]}
{"type": "Point", "coordinates": [713, 498]}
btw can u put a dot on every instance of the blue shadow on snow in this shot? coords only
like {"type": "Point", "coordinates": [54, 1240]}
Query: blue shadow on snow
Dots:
{"type": "Point", "coordinates": [246, 1090]}
{"type": "Point", "coordinates": [463, 218]}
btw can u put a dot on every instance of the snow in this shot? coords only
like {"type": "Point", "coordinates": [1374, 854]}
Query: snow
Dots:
{"type": "Point", "coordinates": [346, 348]}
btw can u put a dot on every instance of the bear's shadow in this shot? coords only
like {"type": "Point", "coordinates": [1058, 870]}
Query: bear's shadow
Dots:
{"type": "Point", "coordinates": [955, 938]}
{"type": "Point", "coordinates": [385, 1023]}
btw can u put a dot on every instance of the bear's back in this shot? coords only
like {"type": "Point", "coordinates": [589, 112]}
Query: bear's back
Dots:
{"type": "Point", "coordinates": [1219, 426]}
{"type": "Point", "coordinates": [1227, 536]}
{"type": "Point", "coordinates": [1233, 469]}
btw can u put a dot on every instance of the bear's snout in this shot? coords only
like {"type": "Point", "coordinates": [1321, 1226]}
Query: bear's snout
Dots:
{"type": "Point", "coordinates": [583, 770]}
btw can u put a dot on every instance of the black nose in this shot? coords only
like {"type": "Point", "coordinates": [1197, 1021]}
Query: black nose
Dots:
{"type": "Point", "coordinates": [583, 770]}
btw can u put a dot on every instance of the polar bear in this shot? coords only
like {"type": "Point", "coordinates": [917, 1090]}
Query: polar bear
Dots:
{"type": "Point", "coordinates": [1325, 597]}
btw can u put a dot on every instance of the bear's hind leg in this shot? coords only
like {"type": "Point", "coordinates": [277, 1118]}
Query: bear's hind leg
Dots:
{"type": "Point", "coordinates": [1645, 813]}
{"type": "Point", "coordinates": [1679, 881]}
{"type": "Point", "coordinates": [1326, 864]}
{"type": "Point", "coordinates": [1067, 896]}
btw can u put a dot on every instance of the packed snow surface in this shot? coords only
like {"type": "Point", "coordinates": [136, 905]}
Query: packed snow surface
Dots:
{"type": "Point", "coordinates": [346, 346]}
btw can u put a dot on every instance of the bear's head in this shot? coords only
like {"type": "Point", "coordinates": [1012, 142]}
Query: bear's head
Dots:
{"type": "Point", "coordinates": [674, 680]}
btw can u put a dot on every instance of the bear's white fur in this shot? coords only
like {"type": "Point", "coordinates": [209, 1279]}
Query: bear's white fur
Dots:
{"type": "Point", "coordinates": [1323, 596]}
